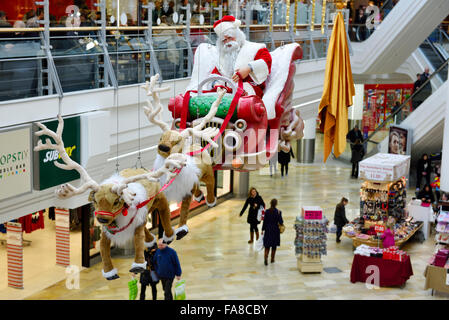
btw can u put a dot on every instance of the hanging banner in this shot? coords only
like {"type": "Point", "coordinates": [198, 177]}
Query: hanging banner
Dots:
{"type": "Point", "coordinates": [46, 174]}
{"type": "Point", "coordinates": [15, 162]}
{"type": "Point", "coordinates": [62, 219]}
{"type": "Point", "coordinates": [14, 243]}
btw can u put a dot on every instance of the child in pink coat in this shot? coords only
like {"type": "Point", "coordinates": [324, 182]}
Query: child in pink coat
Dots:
{"type": "Point", "coordinates": [388, 238]}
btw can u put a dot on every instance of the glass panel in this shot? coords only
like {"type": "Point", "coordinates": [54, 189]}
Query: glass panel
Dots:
{"type": "Point", "coordinates": [223, 182]}
{"type": "Point", "coordinates": [171, 53]}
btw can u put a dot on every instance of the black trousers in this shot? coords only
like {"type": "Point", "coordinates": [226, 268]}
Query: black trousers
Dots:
{"type": "Point", "coordinates": [253, 227]}
{"type": "Point", "coordinates": [143, 288]}
{"type": "Point", "coordinates": [355, 169]}
{"type": "Point", "coordinates": [166, 285]}
{"type": "Point", "coordinates": [284, 166]}
{"type": "Point", "coordinates": [339, 232]}
{"type": "Point", "coordinates": [419, 179]}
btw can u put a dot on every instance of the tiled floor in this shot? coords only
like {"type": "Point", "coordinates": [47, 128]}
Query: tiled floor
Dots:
{"type": "Point", "coordinates": [218, 263]}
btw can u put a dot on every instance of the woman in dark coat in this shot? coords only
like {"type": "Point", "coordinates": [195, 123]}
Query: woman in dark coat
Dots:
{"type": "Point", "coordinates": [270, 230]}
{"type": "Point", "coordinates": [423, 169]}
{"type": "Point", "coordinates": [146, 277]}
{"type": "Point", "coordinates": [254, 202]}
{"type": "Point", "coordinates": [426, 194]}
{"type": "Point", "coordinates": [357, 154]}
{"type": "Point", "coordinates": [340, 217]}
{"type": "Point", "coordinates": [284, 159]}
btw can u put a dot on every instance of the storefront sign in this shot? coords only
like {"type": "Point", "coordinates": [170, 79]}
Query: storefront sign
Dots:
{"type": "Point", "coordinates": [46, 174]}
{"type": "Point", "coordinates": [15, 162]}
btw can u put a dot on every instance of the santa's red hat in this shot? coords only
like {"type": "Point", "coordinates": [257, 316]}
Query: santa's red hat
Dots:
{"type": "Point", "coordinates": [226, 23]}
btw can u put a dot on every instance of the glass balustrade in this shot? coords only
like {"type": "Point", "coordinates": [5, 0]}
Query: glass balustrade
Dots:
{"type": "Point", "coordinates": [73, 45]}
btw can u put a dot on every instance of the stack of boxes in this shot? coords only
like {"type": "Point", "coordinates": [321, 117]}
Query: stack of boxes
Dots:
{"type": "Point", "coordinates": [441, 258]}
{"type": "Point", "coordinates": [393, 253]}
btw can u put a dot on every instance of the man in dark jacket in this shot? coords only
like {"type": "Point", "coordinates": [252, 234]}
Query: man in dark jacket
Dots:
{"type": "Point", "coordinates": [357, 154]}
{"type": "Point", "coordinates": [340, 217]}
{"type": "Point", "coordinates": [167, 267]}
{"type": "Point", "coordinates": [354, 134]}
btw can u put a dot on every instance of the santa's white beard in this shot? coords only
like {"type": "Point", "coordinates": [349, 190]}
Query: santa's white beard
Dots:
{"type": "Point", "coordinates": [228, 57]}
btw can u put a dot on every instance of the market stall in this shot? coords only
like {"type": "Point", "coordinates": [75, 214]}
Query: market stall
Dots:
{"type": "Point", "coordinates": [310, 242]}
{"type": "Point", "coordinates": [394, 266]}
{"type": "Point", "coordinates": [382, 200]}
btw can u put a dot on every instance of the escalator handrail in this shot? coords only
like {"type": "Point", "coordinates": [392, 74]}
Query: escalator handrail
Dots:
{"type": "Point", "coordinates": [391, 116]}
{"type": "Point", "coordinates": [435, 49]}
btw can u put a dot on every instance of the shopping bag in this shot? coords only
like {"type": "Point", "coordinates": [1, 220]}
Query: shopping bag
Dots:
{"type": "Point", "coordinates": [132, 287]}
{"type": "Point", "coordinates": [180, 290]}
{"type": "Point", "coordinates": [260, 214]}
{"type": "Point", "coordinates": [259, 244]}
{"type": "Point", "coordinates": [333, 228]}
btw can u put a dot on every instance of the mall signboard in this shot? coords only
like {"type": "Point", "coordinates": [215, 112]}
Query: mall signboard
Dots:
{"type": "Point", "coordinates": [46, 174]}
{"type": "Point", "coordinates": [15, 162]}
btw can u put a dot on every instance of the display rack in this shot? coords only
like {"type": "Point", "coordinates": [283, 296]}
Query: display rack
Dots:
{"type": "Point", "coordinates": [310, 242]}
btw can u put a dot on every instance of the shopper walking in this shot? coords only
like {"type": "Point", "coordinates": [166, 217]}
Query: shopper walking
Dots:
{"type": "Point", "coordinates": [340, 217]}
{"type": "Point", "coordinates": [255, 202]}
{"type": "Point", "coordinates": [273, 164]}
{"type": "Point", "coordinates": [167, 267]}
{"type": "Point", "coordinates": [423, 169]}
{"type": "Point", "coordinates": [149, 277]}
{"type": "Point", "coordinates": [284, 160]}
{"type": "Point", "coordinates": [270, 230]}
{"type": "Point", "coordinates": [357, 154]}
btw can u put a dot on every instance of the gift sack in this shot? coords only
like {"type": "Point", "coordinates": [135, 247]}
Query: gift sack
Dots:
{"type": "Point", "coordinates": [259, 244]}
{"type": "Point", "coordinates": [180, 290]}
{"type": "Point", "coordinates": [260, 214]}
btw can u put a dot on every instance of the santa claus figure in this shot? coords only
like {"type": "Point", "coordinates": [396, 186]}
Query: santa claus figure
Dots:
{"type": "Point", "coordinates": [234, 58]}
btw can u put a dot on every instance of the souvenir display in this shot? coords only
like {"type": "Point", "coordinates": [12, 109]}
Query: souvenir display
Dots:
{"type": "Point", "coordinates": [442, 228]}
{"type": "Point", "coordinates": [392, 253]}
{"type": "Point", "coordinates": [310, 242]}
{"type": "Point", "coordinates": [122, 202]}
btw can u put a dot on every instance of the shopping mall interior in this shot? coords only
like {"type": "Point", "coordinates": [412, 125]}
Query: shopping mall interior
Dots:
{"type": "Point", "coordinates": [334, 108]}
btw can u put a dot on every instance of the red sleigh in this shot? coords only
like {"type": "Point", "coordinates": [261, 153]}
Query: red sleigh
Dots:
{"type": "Point", "coordinates": [251, 138]}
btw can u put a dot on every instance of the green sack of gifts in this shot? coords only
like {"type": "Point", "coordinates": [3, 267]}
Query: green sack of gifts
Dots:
{"type": "Point", "coordinates": [180, 290]}
{"type": "Point", "coordinates": [132, 286]}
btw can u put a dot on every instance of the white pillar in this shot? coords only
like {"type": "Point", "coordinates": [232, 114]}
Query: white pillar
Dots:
{"type": "Point", "coordinates": [355, 112]}
{"type": "Point", "coordinates": [305, 151]}
{"type": "Point", "coordinates": [444, 179]}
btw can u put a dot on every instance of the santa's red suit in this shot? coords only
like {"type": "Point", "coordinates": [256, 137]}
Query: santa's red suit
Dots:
{"type": "Point", "coordinates": [255, 55]}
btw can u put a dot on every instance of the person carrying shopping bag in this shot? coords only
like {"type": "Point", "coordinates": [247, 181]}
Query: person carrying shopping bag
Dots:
{"type": "Point", "coordinates": [271, 230]}
{"type": "Point", "coordinates": [255, 202]}
{"type": "Point", "coordinates": [149, 276]}
{"type": "Point", "coordinates": [167, 267]}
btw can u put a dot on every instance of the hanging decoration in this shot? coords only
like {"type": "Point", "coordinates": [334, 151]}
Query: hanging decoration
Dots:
{"type": "Point", "coordinates": [312, 18]}
{"type": "Point", "coordinates": [122, 202]}
{"type": "Point", "coordinates": [323, 16]}
{"type": "Point", "coordinates": [296, 15]}
{"type": "Point", "coordinates": [271, 14]}
{"type": "Point", "coordinates": [287, 21]}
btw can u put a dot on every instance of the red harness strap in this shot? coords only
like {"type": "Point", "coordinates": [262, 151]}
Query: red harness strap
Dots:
{"type": "Point", "coordinates": [113, 230]}
{"type": "Point", "coordinates": [226, 120]}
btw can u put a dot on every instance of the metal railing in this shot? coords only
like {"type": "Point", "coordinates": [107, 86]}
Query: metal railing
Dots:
{"type": "Point", "coordinates": [67, 59]}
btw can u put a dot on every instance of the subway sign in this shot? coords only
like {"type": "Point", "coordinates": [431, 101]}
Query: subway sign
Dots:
{"type": "Point", "coordinates": [45, 173]}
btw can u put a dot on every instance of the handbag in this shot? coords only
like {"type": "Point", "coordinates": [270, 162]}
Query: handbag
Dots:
{"type": "Point", "coordinates": [281, 226]}
{"type": "Point", "coordinates": [259, 243]}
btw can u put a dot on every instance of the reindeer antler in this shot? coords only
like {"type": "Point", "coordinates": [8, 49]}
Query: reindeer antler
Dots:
{"type": "Point", "coordinates": [207, 134]}
{"type": "Point", "coordinates": [150, 112]}
{"type": "Point", "coordinates": [173, 162]}
{"type": "Point", "coordinates": [65, 190]}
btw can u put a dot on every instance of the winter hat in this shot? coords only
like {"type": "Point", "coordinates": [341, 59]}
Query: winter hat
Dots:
{"type": "Point", "coordinates": [226, 23]}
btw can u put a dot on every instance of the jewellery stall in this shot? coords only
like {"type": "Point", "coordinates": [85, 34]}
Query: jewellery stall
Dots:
{"type": "Point", "coordinates": [382, 199]}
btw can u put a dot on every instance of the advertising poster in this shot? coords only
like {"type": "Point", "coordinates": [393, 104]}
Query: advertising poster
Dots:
{"type": "Point", "coordinates": [397, 141]}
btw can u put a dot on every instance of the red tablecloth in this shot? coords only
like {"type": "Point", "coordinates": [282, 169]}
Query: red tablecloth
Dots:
{"type": "Point", "coordinates": [392, 273]}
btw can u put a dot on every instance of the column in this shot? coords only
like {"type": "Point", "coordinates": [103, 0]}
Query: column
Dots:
{"type": "Point", "coordinates": [444, 179]}
{"type": "Point", "coordinates": [305, 151]}
{"type": "Point", "coordinates": [355, 112]}
{"type": "Point", "coordinates": [62, 219]}
{"type": "Point", "coordinates": [240, 185]}
{"type": "Point", "coordinates": [14, 243]}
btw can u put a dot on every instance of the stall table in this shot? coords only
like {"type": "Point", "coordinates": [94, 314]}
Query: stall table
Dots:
{"type": "Point", "coordinates": [436, 279]}
{"type": "Point", "coordinates": [375, 243]}
{"type": "Point", "coordinates": [424, 214]}
{"type": "Point", "coordinates": [392, 273]}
